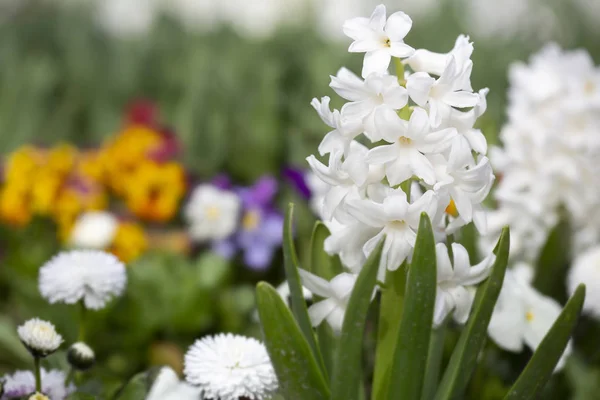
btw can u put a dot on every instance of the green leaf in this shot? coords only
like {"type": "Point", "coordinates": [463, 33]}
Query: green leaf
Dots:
{"type": "Point", "coordinates": [347, 374]}
{"type": "Point", "coordinates": [434, 362]}
{"type": "Point", "coordinates": [327, 267]}
{"type": "Point", "coordinates": [464, 358]}
{"type": "Point", "coordinates": [412, 347]}
{"type": "Point", "coordinates": [541, 366]}
{"type": "Point", "coordinates": [294, 362]}
{"type": "Point", "coordinates": [390, 315]}
{"type": "Point", "coordinates": [81, 396]}
{"type": "Point", "coordinates": [137, 388]}
{"type": "Point", "coordinates": [298, 305]}
{"type": "Point", "coordinates": [553, 262]}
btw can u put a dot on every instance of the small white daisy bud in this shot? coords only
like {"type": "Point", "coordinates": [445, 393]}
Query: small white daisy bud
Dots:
{"type": "Point", "coordinates": [38, 396]}
{"type": "Point", "coordinates": [91, 276]}
{"type": "Point", "coordinates": [229, 367]}
{"type": "Point", "coordinates": [81, 356]}
{"type": "Point", "coordinates": [39, 337]}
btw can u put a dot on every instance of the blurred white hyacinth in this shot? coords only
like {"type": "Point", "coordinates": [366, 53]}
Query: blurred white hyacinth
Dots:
{"type": "Point", "coordinates": [549, 158]}
{"type": "Point", "coordinates": [167, 386]}
{"type": "Point", "coordinates": [94, 230]}
{"type": "Point", "coordinates": [212, 213]}
{"type": "Point", "coordinates": [229, 367]}
{"type": "Point", "coordinates": [455, 281]}
{"type": "Point", "coordinates": [40, 337]}
{"type": "Point", "coordinates": [420, 125]}
{"type": "Point", "coordinates": [586, 270]}
{"type": "Point", "coordinates": [22, 383]}
{"type": "Point", "coordinates": [335, 293]}
{"type": "Point", "coordinates": [522, 316]}
{"type": "Point", "coordinates": [91, 276]}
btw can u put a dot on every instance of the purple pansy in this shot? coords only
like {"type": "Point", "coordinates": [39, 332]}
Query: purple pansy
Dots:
{"type": "Point", "coordinates": [261, 228]}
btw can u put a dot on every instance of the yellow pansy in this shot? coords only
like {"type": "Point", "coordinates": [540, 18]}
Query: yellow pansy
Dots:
{"type": "Point", "coordinates": [130, 242]}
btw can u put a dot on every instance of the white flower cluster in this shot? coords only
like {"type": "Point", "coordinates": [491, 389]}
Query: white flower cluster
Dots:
{"type": "Point", "coordinates": [549, 159]}
{"type": "Point", "coordinates": [420, 127]}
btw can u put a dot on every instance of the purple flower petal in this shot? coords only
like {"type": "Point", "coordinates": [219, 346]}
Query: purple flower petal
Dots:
{"type": "Point", "coordinates": [297, 178]}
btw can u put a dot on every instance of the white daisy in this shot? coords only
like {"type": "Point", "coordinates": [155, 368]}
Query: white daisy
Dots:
{"type": "Point", "coordinates": [91, 276]}
{"type": "Point", "coordinates": [227, 367]}
{"type": "Point", "coordinates": [22, 383]}
{"type": "Point", "coordinates": [40, 337]}
{"type": "Point", "coordinates": [94, 230]}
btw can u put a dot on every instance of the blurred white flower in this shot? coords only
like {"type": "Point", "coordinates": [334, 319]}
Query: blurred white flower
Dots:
{"type": "Point", "coordinates": [228, 367]}
{"type": "Point", "coordinates": [22, 383]}
{"type": "Point", "coordinates": [94, 230]}
{"type": "Point", "coordinates": [336, 294]}
{"type": "Point", "coordinates": [586, 270]}
{"type": "Point", "coordinates": [379, 38]}
{"type": "Point", "coordinates": [167, 386]}
{"type": "Point", "coordinates": [212, 213]}
{"type": "Point", "coordinates": [40, 337]}
{"type": "Point", "coordinates": [454, 282]}
{"type": "Point", "coordinates": [522, 315]}
{"type": "Point", "coordinates": [126, 18]}
{"type": "Point", "coordinates": [91, 276]}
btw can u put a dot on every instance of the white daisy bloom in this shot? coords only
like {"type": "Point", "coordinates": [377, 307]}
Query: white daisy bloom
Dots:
{"type": "Point", "coordinates": [91, 276]}
{"type": "Point", "coordinates": [379, 38]}
{"type": "Point", "coordinates": [228, 367]}
{"type": "Point", "coordinates": [455, 281]}
{"type": "Point", "coordinates": [336, 295]}
{"type": "Point", "coordinates": [94, 230]}
{"type": "Point", "coordinates": [523, 316]}
{"type": "Point", "coordinates": [40, 337]}
{"type": "Point", "coordinates": [212, 213]}
{"type": "Point", "coordinates": [22, 383]}
{"type": "Point", "coordinates": [167, 386]}
{"type": "Point", "coordinates": [586, 270]}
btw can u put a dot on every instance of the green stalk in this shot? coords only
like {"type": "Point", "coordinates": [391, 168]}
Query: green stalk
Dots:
{"type": "Point", "coordinates": [38, 374]}
{"type": "Point", "coordinates": [434, 362]}
{"type": "Point", "coordinates": [82, 318]}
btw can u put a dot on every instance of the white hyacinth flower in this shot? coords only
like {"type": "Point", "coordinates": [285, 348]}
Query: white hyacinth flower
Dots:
{"type": "Point", "coordinates": [586, 270]}
{"type": "Point", "coordinates": [40, 337]}
{"type": "Point", "coordinates": [347, 240]}
{"type": "Point", "coordinates": [410, 141]}
{"type": "Point", "coordinates": [523, 316]}
{"type": "Point", "coordinates": [91, 276]}
{"type": "Point", "coordinates": [379, 38]}
{"type": "Point", "coordinates": [212, 213]}
{"type": "Point", "coordinates": [451, 89]}
{"type": "Point", "coordinates": [22, 383]}
{"type": "Point", "coordinates": [228, 367]}
{"type": "Point", "coordinates": [454, 282]}
{"type": "Point", "coordinates": [344, 130]}
{"type": "Point", "coordinates": [94, 230]}
{"type": "Point", "coordinates": [167, 386]}
{"type": "Point", "coordinates": [367, 99]}
{"type": "Point", "coordinates": [396, 221]}
{"type": "Point", "coordinates": [336, 294]}
{"type": "Point", "coordinates": [424, 60]}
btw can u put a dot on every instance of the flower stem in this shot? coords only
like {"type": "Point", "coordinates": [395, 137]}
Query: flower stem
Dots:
{"type": "Point", "coordinates": [82, 314]}
{"type": "Point", "coordinates": [38, 374]}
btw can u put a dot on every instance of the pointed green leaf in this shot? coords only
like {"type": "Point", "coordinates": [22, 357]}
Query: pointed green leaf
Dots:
{"type": "Point", "coordinates": [327, 267]}
{"type": "Point", "coordinates": [295, 365]}
{"type": "Point", "coordinates": [347, 374]}
{"type": "Point", "coordinates": [464, 357]}
{"type": "Point", "coordinates": [412, 347]}
{"type": "Point", "coordinates": [136, 388]}
{"type": "Point", "coordinates": [434, 362]}
{"type": "Point", "coordinates": [390, 315]}
{"type": "Point", "coordinates": [539, 369]}
{"type": "Point", "coordinates": [553, 262]}
{"type": "Point", "coordinates": [298, 305]}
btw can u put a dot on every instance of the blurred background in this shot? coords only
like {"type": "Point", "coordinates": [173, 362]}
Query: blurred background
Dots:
{"type": "Point", "coordinates": [228, 85]}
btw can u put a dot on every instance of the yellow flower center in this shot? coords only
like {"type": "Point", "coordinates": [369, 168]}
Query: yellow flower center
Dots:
{"type": "Point", "coordinates": [212, 212]}
{"type": "Point", "coordinates": [589, 87]}
{"type": "Point", "coordinates": [404, 140]}
{"type": "Point", "coordinates": [387, 42]}
{"type": "Point", "coordinates": [251, 220]}
{"type": "Point", "coordinates": [529, 316]}
{"type": "Point", "coordinates": [451, 209]}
